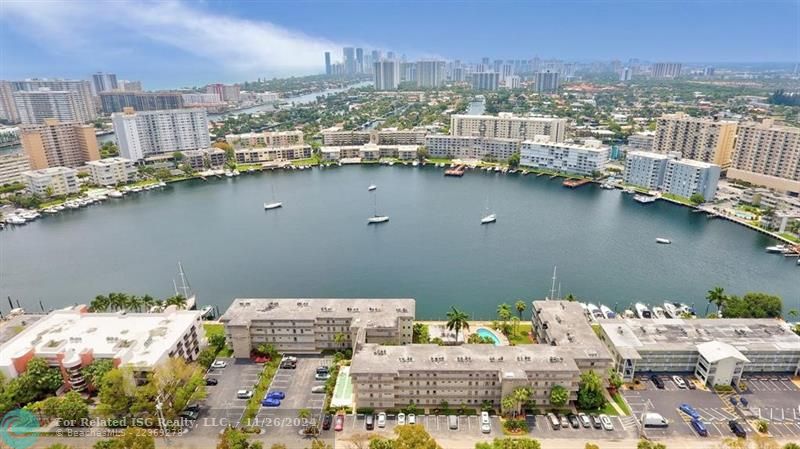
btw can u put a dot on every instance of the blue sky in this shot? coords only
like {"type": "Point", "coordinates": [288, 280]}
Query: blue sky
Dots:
{"type": "Point", "coordinates": [176, 43]}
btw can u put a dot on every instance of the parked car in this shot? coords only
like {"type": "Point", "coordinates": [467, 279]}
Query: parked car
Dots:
{"type": "Point", "coordinates": [654, 420]}
{"type": "Point", "coordinates": [326, 422]}
{"type": "Point", "coordinates": [573, 421]}
{"type": "Point", "coordinates": [734, 402]}
{"type": "Point", "coordinates": [289, 358]}
{"type": "Point", "coordinates": [737, 429]}
{"type": "Point", "coordinates": [596, 423]}
{"type": "Point", "coordinates": [211, 382]}
{"type": "Point", "coordinates": [188, 414]}
{"type": "Point", "coordinates": [321, 376]}
{"type": "Point", "coordinates": [486, 424]}
{"type": "Point", "coordinates": [288, 365]}
{"type": "Point", "coordinates": [564, 421]}
{"type": "Point", "coordinates": [411, 418]}
{"type": "Point", "coordinates": [585, 421]}
{"type": "Point", "coordinates": [689, 383]}
{"type": "Point", "coordinates": [322, 370]}
{"type": "Point", "coordinates": [555, 423]}
{"type": "Point", "coordinates": [276, 394]}
{"type": "Point", "coordinates": [744, 402]}
{"type": "Point", "coordinates": [657, 381]}
{"type": "Point", "coordinates": [699, 427]}
{"type": "Point", "coordinates": [318, 389]}
{"type": "Point", "coordinates": [606, 421]}
{"type": "Point", "coordinates": [271, 402]}
{"type": "Point", "coordinates": [679, 382]}
{"type": "Point", "coordinates": [339, 423]}
{"type": "Point", "coordinates": [452, 422]}
{"type": "Point", "coordinates": [369, 422]}
{"type": "Point", "coordinates": [219, 364]}
{"type": "Point", "coordinates": [244, 394]}
{"type": "Point", "coordinates": [689, 410]}
{"type": "Point", "coordinates": [401, 419]}
{"type": "Point", "coordinates": [192, 408]}
{"type": "Point", "coordinates": [381, 420]}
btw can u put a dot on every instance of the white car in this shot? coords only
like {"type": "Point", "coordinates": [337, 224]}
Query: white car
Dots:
{"type": "Point", "coordinates": [381, 419]}
{"type": "Point", "coordinates": [244, 394]}
{"type": "Point", "coordinates": [606, 421]}
{"type": "Point", "coordinates": [679, 382]}
{"type": "Point", "coordinates": [412, 418]}
{"type": "Point", "coordinates": [219, 364]}
{"type": "Point", "coordinates": [486, 425]}
{"type": "Point", "coordinates": [401, 419]}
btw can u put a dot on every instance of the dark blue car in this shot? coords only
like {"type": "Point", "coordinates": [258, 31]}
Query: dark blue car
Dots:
{"type": "Point", "coordinates": [271, 402]}
{"type": "Point", "coordinates": [689, 410]}
{"type": "Point", "coordinates": [276, 395]}
{"type": "Point", "coordinates": [699, 427]}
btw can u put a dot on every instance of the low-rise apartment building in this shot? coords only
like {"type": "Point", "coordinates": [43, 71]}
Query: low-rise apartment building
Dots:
{"type": "Point", "coordinates": [112, 171]}
{"type": "Point", "coordinates": [564, 157]}
{"type": "Point", "coordinates": [388, 136]}
{"type": "Point", "coordinates": [713, 349]}
{"type": "Point", "coordinates": [314, 325]}
{"type": "Point", "coordinates": [645, 169]}
{"type": "Point", "coordinates": [368, 152]}
{"type": "Point", "coordinates": [204, 158]}
{"type": "Point", "coordinates": [270, 154]}
{"type": "Point", "coordinates": [470, 147]}
{"type": "Point", "coordinates": [53, 181]}
{"type": "Point", "coordinates": [671, 174]}
{"type": "Point", "coordinates": [73, 338]}
{"type": "Point", "coordinates": [265, 139]}
{"type": "Point", "coordinates": [508, 126]}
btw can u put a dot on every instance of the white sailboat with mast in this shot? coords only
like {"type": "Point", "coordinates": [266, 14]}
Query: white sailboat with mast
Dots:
{"type": "Point", "coordinates": [375, 218]}
{"type": "Point", "coordinates": [488, 217]}
{"type": "Point", "coordinates": [184, 289]}
{"type": "Point", "coordinates": [274, 204]}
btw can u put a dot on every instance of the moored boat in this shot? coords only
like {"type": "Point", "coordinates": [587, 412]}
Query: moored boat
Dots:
{"type": "Point", "coordinates": [663, 241]}
{"type": "Point", "coordinates": [642, 311]}
{"type": "Point", "coordinates": [608, 313]}
{"type": "Point", "coordinates": [644, 199]}
{"type": "Point", "coordinates": [670, 310]}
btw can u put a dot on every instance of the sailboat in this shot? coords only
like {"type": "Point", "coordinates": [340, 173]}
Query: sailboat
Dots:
{"type": "Point", "coordinates": [488, 218]}
{"type": "Point", "coordinates": [185, 289]}
{"type": "Point", "coordinates": [375, 218]}
{"type": "Point", "coordinates": [274, 204]}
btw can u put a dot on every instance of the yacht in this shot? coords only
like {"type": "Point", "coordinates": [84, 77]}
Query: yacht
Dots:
{"type": "Point", "coordinates": [51, 210]}
{"type": "Point", "coordinates": [608, 313]}
{"type": "Point", "coordinates": [274, 204]}
{"type": "Point", "coordinates": [415, 163]}
{"type": "Point", "coordinates": [595, 311]}
{"type": "Point", "coordinates": [780, 249]}
{"type": "Point", "coordinates": [372, 187]}
{"type": "Point", "coordinates": [628, 314]}
{"type": "Point", "coordinates": [375, 218]}
{"type": "Point", "coordinates": [115, 194]}
{"type": "Point", "coordinates": [670, 310]}
{"type": "Point", "coordinates": [491, 218]}
{"type": "Point", "coordinates": [207, 312]}
{"type": "Point", "coordinates": [15, 220]}
{"type": "Point", "coordinates": [162, 184]}
{"type": "Point", "coordinates": [663, 241]}
{"type": "Point", "coordinates": [644, 199]}
{"type": "Point", "coordinates": [642, 311]}
{"type": "Point", "coordinates": [607, 186]}
{"type": "Point", "coordinates": [228, 174]}
{"type": "Point", "coordinates": [658, 312]}
{"type": "Point", "coordinates": [684, 309]}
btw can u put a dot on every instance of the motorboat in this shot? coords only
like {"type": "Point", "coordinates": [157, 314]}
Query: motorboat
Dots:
{"type": "Point", "coordinates": [644, 199]}
{"type": "Point", "coordinates": [642, 311]}
{"type": "Point", "coordinates": [228, 174]}
{"type": "Point", "coordinates": [778, 249]}
{"type": "Point", "coordinates": [663, 241]}
{"type": "Point", "coordinates": [115, 194]}
{"type": "Point", "coordinates": [207, 312]}
{"type": "Point", "coordinates": [595, 311]}
{"type": "Point", "coordinates": [658, 312]}
{"type": "Point", "coordinates": [608, 313]}
{"type": "Point", "coordinates": [415, 163]}
{"type": "Point", "coordinates": [683, 309]}
{"type": "Point", "coordinates": [670, 310]}
{"type": "Point", "coordinates": [269, 206]}
{"type": "Point", "coordinates": [607, 186]}
{"type": "Point", "coordinates": [372, 187]}
{"type": "Point", "coordinates": [15, 220]}
{"type": "Point", "coordinates": [628, 314]}
{"type": "Point", "coordinates": [377, 219]}
{"type": "Point", "coordinates": [491, 218]}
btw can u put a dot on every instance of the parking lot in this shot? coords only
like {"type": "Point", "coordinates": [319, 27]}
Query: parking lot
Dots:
{"type": "Point", "coordinates": [222, 407]}
{"type": "Point", "coordinates": [775, 399]}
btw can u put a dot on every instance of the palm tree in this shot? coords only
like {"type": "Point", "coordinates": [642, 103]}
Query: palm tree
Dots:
{"type": "Point", "coordinates": [457, 320]}
{"type": "Point", "coordinates": [571, 298]}
{"type": "Point", "coordinates": [515, 323]}
{"type": "Point", "coordinates": [304, 413]}
{"type": "Point", "coordinates": [717, 297]}
{"type": "Point", "coordinates": [134, 303]}
{"type": "Point", "coordinates": [99, 303]}
{"type": "Point", "coordinates": [148, 302]}
{"type": "Point", "coordinates": [340, 339]}
{"type": "Point", "coordinates": [178, 301]}
{"type": "Point", "coordinates": [117, 301]}
{"type": "Point", "coordinates": [520, 306]}
{"type": "Point", "coordinates": [508, 404]}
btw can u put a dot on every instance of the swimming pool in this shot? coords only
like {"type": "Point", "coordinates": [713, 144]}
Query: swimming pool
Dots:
{"type": "Point", "coordinates": [486, 333]}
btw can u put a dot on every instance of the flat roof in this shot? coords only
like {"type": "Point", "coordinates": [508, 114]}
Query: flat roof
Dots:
{"type": "Point", "coordinates": [380, 312]}
{"type": "Point", "coordinates": [744, 334]}
{"type": "Point", "coordinates": [714, 351]}
{"type": "Point", "coordinates": [139, 339]}
{"type": "Point", "coordinates": [509, 361]}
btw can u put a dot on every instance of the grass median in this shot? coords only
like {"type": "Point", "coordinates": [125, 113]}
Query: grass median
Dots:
{"type": "Point", "coordinates": [264, 380]}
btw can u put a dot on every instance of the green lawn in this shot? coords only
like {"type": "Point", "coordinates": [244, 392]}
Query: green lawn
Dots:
{"type": "Point", "coordinates": [791, 237]}
{"type": "Point", "coordinates": [622, 404]}
{"type": "Point", "coordinates": [217, 329]}
{"type": "Point", "coordinates": [679, 199]}
{"type": "Point", "coordinates": [520, 337]}
{"type": "Point", "coordinates": [438, 160]}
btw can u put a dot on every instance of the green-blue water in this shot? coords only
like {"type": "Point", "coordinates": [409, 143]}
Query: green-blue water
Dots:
{"type": "Point", "coordinates": [433, 249]}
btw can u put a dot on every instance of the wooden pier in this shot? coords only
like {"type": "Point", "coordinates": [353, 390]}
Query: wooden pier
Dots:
{"type": "Point", "coordinates": [573, 183]}
{"type": "Point", "coordinates": [455, 171]}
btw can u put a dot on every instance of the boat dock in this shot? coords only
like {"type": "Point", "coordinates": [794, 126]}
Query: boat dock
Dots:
{"type": "Point", "coordinates": [574, 183]}
{"type": "Point", "coordinates": [456, 171]}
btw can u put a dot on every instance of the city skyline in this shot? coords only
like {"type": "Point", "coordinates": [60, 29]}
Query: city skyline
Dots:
{"type": "Point", "coordinates": [173, 44]}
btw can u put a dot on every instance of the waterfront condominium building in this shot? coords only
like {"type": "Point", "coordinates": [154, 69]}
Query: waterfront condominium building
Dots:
{"type": "Point", "coordinates": [645, 169]}
{"type": "Point", "coordinates": [104, 82]}
{"type": "Point", "coordinates": [387, 136]}
{"type": "Point", "coordinates": [314, 325]}
{"type": "Point", "coordinates": [111, 171]}
{"type": "Point", "coordinates": [430, 73]}
{"type": "Point", "coordinates": [205, 158]}
{"type": "Point", "coordinates": [546, 82]}
{"type": "Point", "coordinates": [12, 166]}
{"type": "Point", "coordinates": [716, 351]}
{"type": "Point", "coordinates": [53, 181]}
{"type": "Point", "coordinates": [140, 101]}
{"type": "Point", "coordinates": [8, 107]}
{"type": "Point", "coordinates": [272, 154]}
{"type": "Point", "coordinates": [39, 105]}
{"type": "Point", "coordinates": [368, 152]}
{"type": "Point", "coordinates": [36, 106]}
{"type": "Point", "coordinates": [506, 125]}
{"type": "Point", "coordinates": [769, 155]}
{"type": "Point", "coordinates": [57, 144]}
{"type": "Point", "coordinates": [641, 141]}
{"type": "Point", "coordinates": [698, 138]}
{"type": "Point", "coordinates": [387, 74]}
{"type": "Point", "coordinates": [72, 338]}
{"type": "Point", "coordinates": [144, 133]}
{"type": "Point", "coordinates": [470, 147]}
{"type": "Point", "coordinates": [564, 157]}
{"type": "Point", "coordinates": [485, 80]}
{"type": "Point", "coordinates": [666, 70]}
{"type": "Point", "coordinates": [685, 177]}
{"type": "Point", "coordinates": [265, 139]}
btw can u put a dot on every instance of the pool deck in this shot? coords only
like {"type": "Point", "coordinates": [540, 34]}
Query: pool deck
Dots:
{"type": "Point", "coordinates": [502, 338]}
{"type": "Point", "coordinates": [473, 327]}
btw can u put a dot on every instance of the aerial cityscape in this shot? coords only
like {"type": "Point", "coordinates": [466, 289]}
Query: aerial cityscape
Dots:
{"type": "Point", "coordinates": [505, 225]}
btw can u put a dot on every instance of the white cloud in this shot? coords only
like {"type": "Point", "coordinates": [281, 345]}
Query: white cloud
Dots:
{"type": "Point", "coordinates": [237, 44]}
